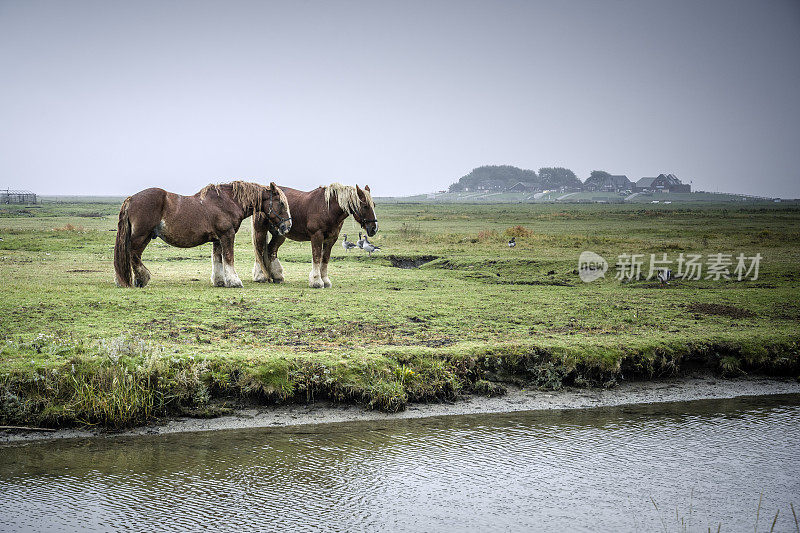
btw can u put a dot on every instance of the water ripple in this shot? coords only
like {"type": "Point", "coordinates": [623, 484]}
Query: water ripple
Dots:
{"type": "Point", "coordinates": [592, 470]}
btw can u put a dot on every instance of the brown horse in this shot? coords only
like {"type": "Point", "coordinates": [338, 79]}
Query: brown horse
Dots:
{"type": "Point", "coordinates": [212, 215]}
{"type": "Point", "coordinates": [318, 217]}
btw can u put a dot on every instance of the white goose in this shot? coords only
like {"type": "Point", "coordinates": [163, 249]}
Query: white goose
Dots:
{"type": "Point", "coordinates": [369, 247]}
{"type": "Point", "coordinates": [347, 245]}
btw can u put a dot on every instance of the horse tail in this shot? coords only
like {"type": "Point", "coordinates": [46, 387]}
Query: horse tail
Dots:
{"type": "Point", "coordinates": [122, 249]}
{"type": "Point", "coordinates": [259, 248]}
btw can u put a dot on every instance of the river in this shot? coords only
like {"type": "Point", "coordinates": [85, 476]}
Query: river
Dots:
{"type": "Point", "coordinates": [635, 468]}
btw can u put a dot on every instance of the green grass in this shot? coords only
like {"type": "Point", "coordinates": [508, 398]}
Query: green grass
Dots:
{"type": "Point", "coordinates": [76, 349]}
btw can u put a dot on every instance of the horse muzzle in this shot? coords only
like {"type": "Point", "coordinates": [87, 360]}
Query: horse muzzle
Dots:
{"type": "Point", "coordinates": [371, 228]}
{"type": "Point", "coordinates": [285, 227]}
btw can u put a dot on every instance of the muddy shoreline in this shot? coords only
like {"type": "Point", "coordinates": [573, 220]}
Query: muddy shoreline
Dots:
{"type": "Point", "coordinates": [697, 387]}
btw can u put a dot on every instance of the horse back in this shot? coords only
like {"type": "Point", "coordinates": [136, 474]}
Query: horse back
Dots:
{"type": "Point", "coordinates": [183, 221]}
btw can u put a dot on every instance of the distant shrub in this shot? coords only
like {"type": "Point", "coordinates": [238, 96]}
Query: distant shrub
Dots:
{"type": "Point", "coordinates": [518, 231]}
{"type": "Point", "coordinates": [70, 227]}
{"type": "Point", "coordinates": [488, 235]}
{"type": "Point", "coordinates": [764, 235]}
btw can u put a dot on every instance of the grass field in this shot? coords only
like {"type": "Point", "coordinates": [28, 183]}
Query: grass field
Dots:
{"type": "Point", "coordinates": [76, 349]}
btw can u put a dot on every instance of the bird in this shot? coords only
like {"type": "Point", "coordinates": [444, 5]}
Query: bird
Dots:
{"type": "Point", "coordinates": [361, 240]}
{"type": "Point", "coordinates": [369, 247]}
{"type": "Point", "coordinates": [512, 243]}
{"type": "Point", "coordinates": [664, 274]}
{"type": "Point", "coordinates": [347, 245]}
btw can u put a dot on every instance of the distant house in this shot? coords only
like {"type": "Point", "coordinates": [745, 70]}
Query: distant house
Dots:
{"type": "Point", "coordinates": [10, 196]}
{"type": "Point", "coordinates": [661, 183]}
{"type": "Point", "coordinates": [602, 181]}
{"type": "Point", "coordinates": [618, 183]}
{"type": "Point", "coordinates": [643, 184]}
{"type": "Point", "coordinates": [523, 187]}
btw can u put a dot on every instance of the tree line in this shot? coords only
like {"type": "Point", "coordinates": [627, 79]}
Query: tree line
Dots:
{"type": "Point", "coordinates": [503, 177]}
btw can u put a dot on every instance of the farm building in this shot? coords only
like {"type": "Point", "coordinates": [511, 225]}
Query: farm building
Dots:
{"type": "Point", "coordinates": [523, 187]}
{"type": "Point", "coordinates": [661, 183]}
{"type": "Point", "coordinates": [11, 196]}
{"type": "Point", "coordinates": [609, 183]}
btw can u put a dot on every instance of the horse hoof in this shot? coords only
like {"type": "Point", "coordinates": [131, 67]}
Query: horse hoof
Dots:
{"type": "Point", "coordinates": [326, 283]}
{"type": "Point", "coordinates": [316, 284]}
{"type": "Point", "coordinates": [277, 280]}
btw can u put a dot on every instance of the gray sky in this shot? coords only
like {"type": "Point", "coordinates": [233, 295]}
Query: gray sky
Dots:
{"type": "Point", "coordinates": [112, 97]}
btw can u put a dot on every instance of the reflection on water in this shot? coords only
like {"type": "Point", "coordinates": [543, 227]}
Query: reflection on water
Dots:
{"type": "Point", "coordinates": [593, 470]}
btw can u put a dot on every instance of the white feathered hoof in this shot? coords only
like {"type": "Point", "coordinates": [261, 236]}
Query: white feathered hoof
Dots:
{"type": "Point", "coordinates": [231, 277]}
{"type": "Point", "coordinates": [326, 283]}
{"type": "Point", "coordinates": [258, 274]}
{"type": "Point", "coordinates": [235, 282]}
{"type": "Point", "coordinates": [316, 284]}
{"type": "Point", "coordinates": [217, 274]}
{"type": "Point", "coordinates": [276, 271]}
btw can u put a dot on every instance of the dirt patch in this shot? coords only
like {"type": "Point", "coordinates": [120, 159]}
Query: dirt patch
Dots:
{"type": "Point", "coordinates": [410, 262]}
{"type": "Point", "coordinates": [437, 343]}
{"type": "Point", "coordinates": [536, 282]}
{"type": "Point", "coordinates": [720, 310]}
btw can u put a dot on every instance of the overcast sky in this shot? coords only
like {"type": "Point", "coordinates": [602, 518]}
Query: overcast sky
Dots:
{"type": "Point", "coordinates": [112, 97]}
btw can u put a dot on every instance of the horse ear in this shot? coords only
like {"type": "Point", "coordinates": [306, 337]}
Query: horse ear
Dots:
{"type": "Point", "coordinates": [366, 188]}
{"type": "Point", "coordinates": [360, 193]}
{"type": "Point", "coordinates": [273, 187]}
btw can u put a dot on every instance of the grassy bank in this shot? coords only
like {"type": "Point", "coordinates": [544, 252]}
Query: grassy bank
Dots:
{"type": "Point", "coordinates": [76, 349]}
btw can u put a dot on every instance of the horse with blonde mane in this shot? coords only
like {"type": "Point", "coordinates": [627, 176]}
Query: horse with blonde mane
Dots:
{"type": "Point", "coordinates": [212, 215]}
{"type": "Point", "coordinates": [318, 216]}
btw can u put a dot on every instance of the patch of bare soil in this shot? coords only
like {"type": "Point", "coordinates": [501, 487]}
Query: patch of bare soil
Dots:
{"type": "Point", "coordinates": [410, 262]}
{"type": "Point", "coordinates": [730, 311]}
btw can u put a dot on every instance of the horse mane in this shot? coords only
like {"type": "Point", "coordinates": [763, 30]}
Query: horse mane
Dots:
{"type": "Point", "coordinates": [346, 196]}
{"type": "Point", "coordinates": [245, 193]}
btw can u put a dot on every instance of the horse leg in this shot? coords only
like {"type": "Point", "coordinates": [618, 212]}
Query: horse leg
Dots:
{"type": "Point", "coordinates": [275, 268]}
{"type": "Point", "coordinates": [141, 275]}
{"type": "Point", "coordinates": [314, 278]}
{"type": "Point", "coordinates": [260, 233]}
{"type": "Point", "coordinates": [326, 255]}
{"type": "Point", "coordinates": [217, 270]}
{"type": "Point", "coordinates": [231, 278]}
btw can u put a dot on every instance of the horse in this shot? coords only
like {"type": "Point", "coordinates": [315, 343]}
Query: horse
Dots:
{"type": "Point", "coordinates": [318, 217]}
{"type": "Point", "coordinates": [213, 215]}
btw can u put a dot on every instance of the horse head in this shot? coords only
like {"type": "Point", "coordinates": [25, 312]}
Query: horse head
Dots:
{"type": "Point", "coordinates": [366, 211]}
{"type": "Point", "coordinates": [278, 212]}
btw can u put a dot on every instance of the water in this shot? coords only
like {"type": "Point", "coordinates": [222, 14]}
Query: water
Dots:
{"type": "Point", "coordinates": [578, 470]}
